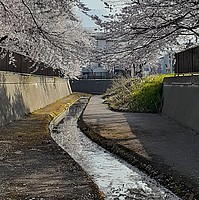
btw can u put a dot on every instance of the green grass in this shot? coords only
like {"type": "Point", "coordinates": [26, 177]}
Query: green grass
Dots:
{"type": "Point", "coordinates": [136, 95]}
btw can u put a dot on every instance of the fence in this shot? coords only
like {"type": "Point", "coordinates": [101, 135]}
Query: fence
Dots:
{"type": "Point", "coordinates": [23, 64]}
{"type": "Point", "coordinates": [187, 61]}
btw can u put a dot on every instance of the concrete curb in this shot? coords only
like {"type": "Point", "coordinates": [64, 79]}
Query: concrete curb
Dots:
{"type": "Point", "coordinates": [56, 120]}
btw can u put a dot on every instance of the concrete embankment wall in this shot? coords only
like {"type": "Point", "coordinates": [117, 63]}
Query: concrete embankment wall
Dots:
{"type": "Point", "coordinates": [22, 94]}
{"type": "Point", "coordinates": [91, 86]}
{"type": "Point", "coordinates": [181, 100]}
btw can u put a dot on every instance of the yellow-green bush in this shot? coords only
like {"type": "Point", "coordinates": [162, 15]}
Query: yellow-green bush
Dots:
{"type": "Point", "coordinates": [136, 95]}
{"type": "Point", "coordinates": [147, 95]}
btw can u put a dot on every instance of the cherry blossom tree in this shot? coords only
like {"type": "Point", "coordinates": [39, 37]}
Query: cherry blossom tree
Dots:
{"type": "Point", "coordinates": [144, 28]}
{"type": "Point", "coordinates": [47, 31]}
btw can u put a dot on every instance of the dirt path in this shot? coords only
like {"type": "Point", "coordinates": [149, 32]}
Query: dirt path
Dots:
{"type": "Point", "coordinates": [33, 166]}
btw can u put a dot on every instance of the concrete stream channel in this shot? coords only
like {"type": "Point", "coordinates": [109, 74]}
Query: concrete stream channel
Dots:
{"type": "Point", "coordinates": [115, 178]}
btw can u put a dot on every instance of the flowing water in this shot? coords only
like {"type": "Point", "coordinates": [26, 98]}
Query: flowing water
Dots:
{"type": "Point", "coordinates": [116, 179]}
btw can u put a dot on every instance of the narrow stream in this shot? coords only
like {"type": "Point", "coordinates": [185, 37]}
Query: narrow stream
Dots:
{"type": "Point", "coordinates": [116, 179]}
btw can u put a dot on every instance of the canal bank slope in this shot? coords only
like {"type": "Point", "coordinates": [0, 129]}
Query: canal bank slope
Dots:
{"type": "Point", "coordinates": [160, 147]}
{"type": "Point", "coordinates": [33, 166]}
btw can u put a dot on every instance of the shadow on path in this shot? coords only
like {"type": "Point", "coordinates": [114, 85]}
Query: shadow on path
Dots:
{"type": "Point", "coordinates": [34, 166]}
{"type": "Point", "coordinates": [151, 142]}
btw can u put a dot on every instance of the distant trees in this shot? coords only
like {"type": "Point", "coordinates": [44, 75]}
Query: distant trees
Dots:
{"type": "Point", "coordinates": [146, 27]}
{"type": "Point", "coordinates": [47, 31]}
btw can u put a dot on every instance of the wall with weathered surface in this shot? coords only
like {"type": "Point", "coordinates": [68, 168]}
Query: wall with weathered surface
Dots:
{"type": "Point", "coordinates": [181, 100]}
{"type": "Point", "coordinates": [91, 86]}
{"type": "Point", "coordinates": [22, 94]}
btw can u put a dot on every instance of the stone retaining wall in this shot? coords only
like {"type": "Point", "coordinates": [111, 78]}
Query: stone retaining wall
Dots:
{"type": "Point", "coordinates": [91, 86]}
{"type": "Point", "coordinates": [181, 100]}
{"type": "Point", "coordinates": [22, 94]}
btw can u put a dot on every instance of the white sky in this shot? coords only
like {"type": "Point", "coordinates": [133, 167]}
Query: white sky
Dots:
{"type": "Point", "coordinates": [94, 4]}
{"type": "Point", "coordinates": [97, 8]}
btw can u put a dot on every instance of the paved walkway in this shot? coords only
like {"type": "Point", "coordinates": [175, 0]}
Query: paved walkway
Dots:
{"type": "Point", "coordinates": [152, 138]}
{"type": "Point", "coordinates": [33, 166]}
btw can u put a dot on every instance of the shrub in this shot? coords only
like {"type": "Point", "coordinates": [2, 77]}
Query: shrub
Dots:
{"type": "Point", "coordinates": [147, 95]}
{"type": "Point", "coordinates": [119, 95]}
{"type": "Point", "coordinates": [136, 95]}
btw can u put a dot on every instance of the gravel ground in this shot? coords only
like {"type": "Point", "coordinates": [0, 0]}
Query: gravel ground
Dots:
{"type": "Point", "coordinates": [33, 166]}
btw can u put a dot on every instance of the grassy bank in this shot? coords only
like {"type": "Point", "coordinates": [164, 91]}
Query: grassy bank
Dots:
{"type": "Point", "coordinates": [136, 94]}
